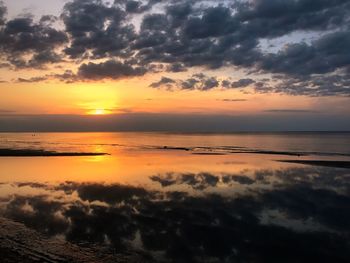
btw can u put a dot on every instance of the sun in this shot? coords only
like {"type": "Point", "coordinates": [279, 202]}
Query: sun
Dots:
{"type": "Point", "coordinates": [98, 112]}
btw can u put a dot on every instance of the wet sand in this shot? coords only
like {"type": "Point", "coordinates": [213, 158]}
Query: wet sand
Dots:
{"type": "Point", "coordinates": [20, 244]}
{"type": "Point", "coordinates": [335, 164]}
{"type": "Point", "coordinates": [202, 150]}
{"type": "Point", "coordinates": [43, 153]}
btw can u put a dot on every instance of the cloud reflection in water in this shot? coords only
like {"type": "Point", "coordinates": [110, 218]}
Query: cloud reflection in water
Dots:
{"type": "Point", "coordinates": [259, 224]}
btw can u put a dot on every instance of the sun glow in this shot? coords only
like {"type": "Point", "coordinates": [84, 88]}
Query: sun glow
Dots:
{"type": "Point", "coordinates": [99, 112]}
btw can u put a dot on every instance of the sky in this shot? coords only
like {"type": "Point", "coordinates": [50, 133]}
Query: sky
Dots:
{"type": "Point", "coordinates": [184, 65]}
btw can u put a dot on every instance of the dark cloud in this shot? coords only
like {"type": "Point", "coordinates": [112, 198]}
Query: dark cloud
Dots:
{"type": "Point", "coordinates": [23, 37]}
{"type": "Point", "coordinates": [320, 85]}
{"type": "Point", "coordinates": [163, 82]}
{"type": "Point", "coordinates": [136, 6]}
{"type": "Point", "coordinates": [48, 19]}
{"type": "Point", "coordinates": [31, 80]}
{"type": "Point", "coordinates": [176, 67]}
{"type": "Point", "coordinates": [324, 55]}
{"type": "Point", "coordinates": [219, 37]}
{"type": "Point", "coordinates": [44, 58]}
{"type": "Point", "coordinates": [179, 13]}
{"type": "Point", "coordinates": [242, 83]}
{"type": "Point", "coordinates": [280, 17]}
{"type": "Point", "coordinates": [3, 12]}
{"type": "Point", "coordinates": [215, 22]}
{"type": "Point", "coordinates": [195, 82]}
{"type": "Point", "coordinates": [111, 69]}
{"type": "Point", "coordinates": [189, 84]}
{"type": "Point", "coordinates": [96, 29]}
{"type": "Point", "coordinates": [209, 84]}
{"type": "Point", "coordinates": [201, 82]}
{"type": "Point", "coordinates": [175, 36]}
{"type": "Point", "coordinates": [68, 76]}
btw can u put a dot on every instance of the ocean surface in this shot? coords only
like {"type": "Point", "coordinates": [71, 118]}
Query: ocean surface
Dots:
{"type": "Point", "coordinates": [163, 197]}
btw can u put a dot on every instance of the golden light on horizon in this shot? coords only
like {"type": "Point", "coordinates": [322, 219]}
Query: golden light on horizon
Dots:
{"type": "Point", "coordinates": [99, 112]}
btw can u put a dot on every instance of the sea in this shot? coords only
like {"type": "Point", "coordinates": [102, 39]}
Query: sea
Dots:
{"type": "Point", "coordinates": [174, 197]}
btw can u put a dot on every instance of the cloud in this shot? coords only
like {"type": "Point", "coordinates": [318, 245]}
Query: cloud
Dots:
{"type": "Point", "coordinates": [319, 85]}
{"type": "Point", "coordinates": [200, 82]}
{"type": "Point", "coordinates": [220, 37]}
{"type": "Point", "coordinates": [215, 22]}
{"type": "Point", "coordinates": [96, 30]}
{"type": "Point", "coordinates": [111, 69]}
{"type": "Point", "coordinates": [175, 36]}
{"type": "Point", "coordinates": [136, 6]}
{"type": "Point", "coordinates": [176, 67]}
{"type": "Point", "coordinates": [3, 12]}
{"type": "Point", "coordinates": [31, 80]}
{"type": "Point", "coordinates": [164, 81]}
{"type": "Point", "coordinates": [68, 76]}
{"type": "Point", "coordinates": [22, 37]}
{"type": "Point", "coordinates": [324, 55]}
{"type": "Point", "coordinates": [195, 82]}
{"type": "Point", "coordinates": [242, 83]}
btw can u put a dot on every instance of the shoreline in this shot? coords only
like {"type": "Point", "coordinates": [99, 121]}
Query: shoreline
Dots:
{"type": "Point", "coordinates": [44, 153]}
{"type": "Point", "coordinates": [334, 164]}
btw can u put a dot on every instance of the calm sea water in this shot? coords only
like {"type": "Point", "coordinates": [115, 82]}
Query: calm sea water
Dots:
{"type": "Point", "coordinates": [303, 142]}
{"type": "Point", "coordinates": [185, 197]}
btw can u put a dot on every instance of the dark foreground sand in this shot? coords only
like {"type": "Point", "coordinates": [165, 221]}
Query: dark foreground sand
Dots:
{"type": "Point", "coordinates": [20, 244]}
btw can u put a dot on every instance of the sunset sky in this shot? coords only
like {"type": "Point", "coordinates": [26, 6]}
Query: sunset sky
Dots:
{"type": "Point", "coordinates": [177, 65]}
